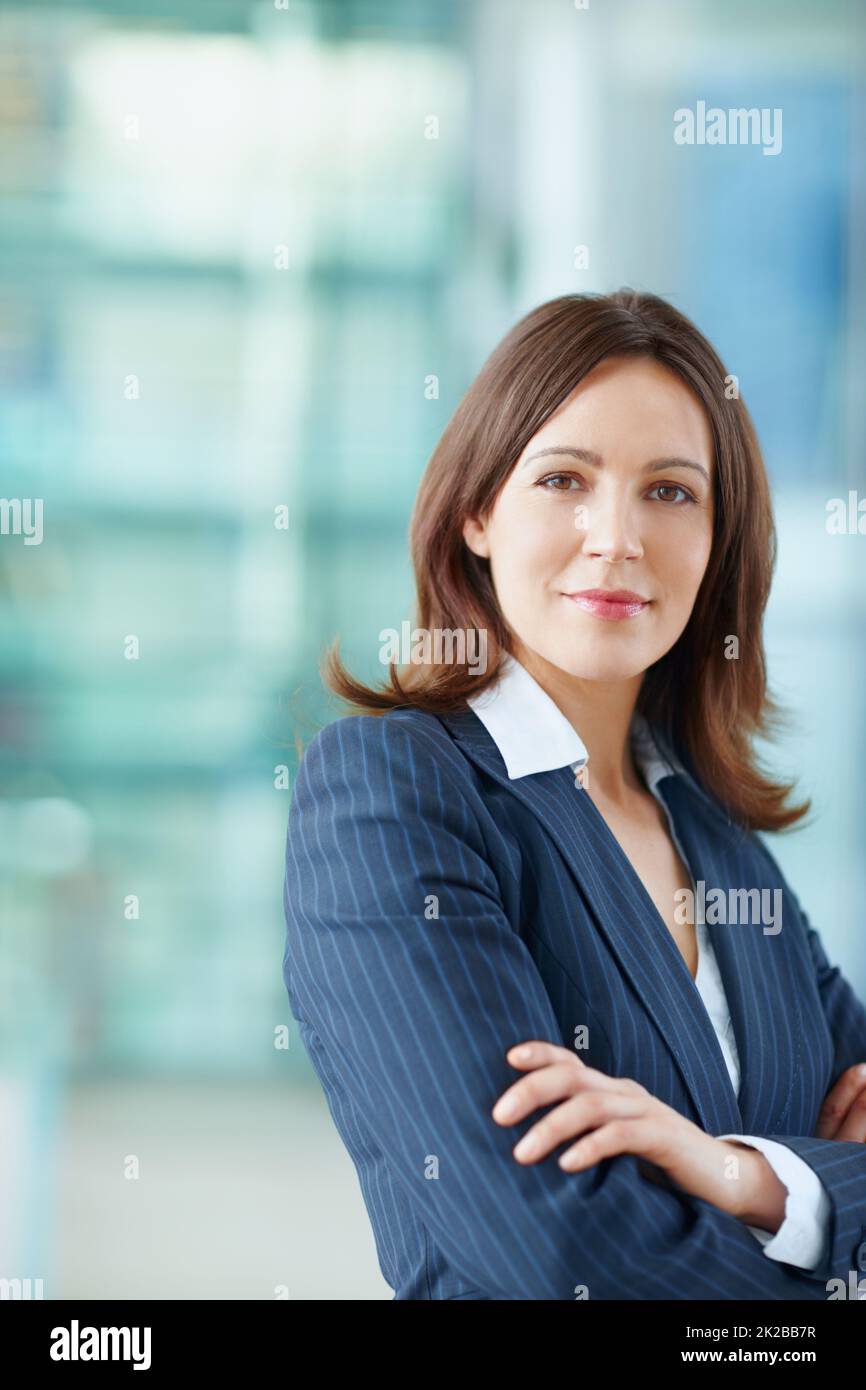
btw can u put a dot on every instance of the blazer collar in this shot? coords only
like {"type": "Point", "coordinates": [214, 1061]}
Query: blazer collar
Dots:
{"type": "Point", "coordinates": [533, 735]}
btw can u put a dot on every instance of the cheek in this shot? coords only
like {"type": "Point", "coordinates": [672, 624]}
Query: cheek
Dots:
{"type": "Point", "coordinates": [697, 561]}
{"type": "Point", "coordinates": [681, 562]}
{"type": "Point", "coordinates": [529, 536]}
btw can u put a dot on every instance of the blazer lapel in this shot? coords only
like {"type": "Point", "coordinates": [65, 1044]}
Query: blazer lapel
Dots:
{"type": "Point", "coordinates": [755, 967]}
{"type": "Point", "coordinates": [628, 918]}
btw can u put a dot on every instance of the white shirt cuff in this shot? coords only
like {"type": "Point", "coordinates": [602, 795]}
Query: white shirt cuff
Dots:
{"type": "Point", "coordinates": [803, 1237]}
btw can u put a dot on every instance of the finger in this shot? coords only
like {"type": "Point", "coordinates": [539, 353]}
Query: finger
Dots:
{"type": "Point", "coordinates": [621, 1136]}
{"type": "Point", "coordinates": [541, 1087]}
{"type": "Point", "coordinates": [853, 1127]}
{"type": "Point", "coordinates": [526, 1055]}
{"type": "Point", "coordinates": [554, 1082]}
{"type": "Point", "coordinates": [839, 1101]}
{"type": "Point", "coordinates": [529, 1056]}
{"type": "Point", "coordinates": [585, 1112]}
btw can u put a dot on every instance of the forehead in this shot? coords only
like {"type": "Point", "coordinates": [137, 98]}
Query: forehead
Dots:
{"type": "Point", "coordinates": [631, 406]}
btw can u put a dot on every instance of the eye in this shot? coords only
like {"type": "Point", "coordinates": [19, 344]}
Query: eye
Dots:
{"type": "Point", "coordinates": [674, 487]}
{"type": "Point", "coordinates": [557, 478]}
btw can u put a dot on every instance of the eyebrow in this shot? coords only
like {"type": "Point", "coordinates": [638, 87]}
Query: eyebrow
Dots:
{"type": "Point", "coordinates": [589, 456]}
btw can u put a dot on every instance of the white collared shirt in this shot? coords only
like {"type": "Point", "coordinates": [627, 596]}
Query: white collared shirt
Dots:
{"type": "Point", "coordinates": [533, 735]}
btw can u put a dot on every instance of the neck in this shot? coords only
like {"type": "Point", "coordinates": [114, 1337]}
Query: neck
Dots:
{"type": "Point", "coordinates": [601, 712]}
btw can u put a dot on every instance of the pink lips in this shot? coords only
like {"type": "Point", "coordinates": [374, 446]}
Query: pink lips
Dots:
{"type": "Point", "coordinates": [611, 604]}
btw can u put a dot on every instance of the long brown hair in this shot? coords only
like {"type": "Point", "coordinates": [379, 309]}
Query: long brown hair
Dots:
{"type": "Point", "coordinates": [708, 706]}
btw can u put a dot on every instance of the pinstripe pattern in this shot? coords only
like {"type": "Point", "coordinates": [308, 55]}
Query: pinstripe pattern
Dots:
{"type": "Point", "coordinates": [543, 926]}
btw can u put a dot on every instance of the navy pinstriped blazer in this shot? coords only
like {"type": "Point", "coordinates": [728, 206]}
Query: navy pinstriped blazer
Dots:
{"type": "Point", "coordinates": [543, 925]}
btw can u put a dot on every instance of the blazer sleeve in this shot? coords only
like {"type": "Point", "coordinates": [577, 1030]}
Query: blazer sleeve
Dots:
{"type": "Point", "coordinates": [839, 1164]}
{"type": "Point", "coordinates": [402, 961]}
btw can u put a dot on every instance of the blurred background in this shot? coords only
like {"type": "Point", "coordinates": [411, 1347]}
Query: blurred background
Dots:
{"type": "Point", "coordinates": [240, 238]}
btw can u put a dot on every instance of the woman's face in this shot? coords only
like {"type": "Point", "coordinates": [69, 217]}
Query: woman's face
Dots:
{"type": "Point", "coordinates": [614, 492]}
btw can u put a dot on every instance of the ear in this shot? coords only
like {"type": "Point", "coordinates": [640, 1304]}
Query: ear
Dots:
{"type": "Point", "coordinates": [475, 536]}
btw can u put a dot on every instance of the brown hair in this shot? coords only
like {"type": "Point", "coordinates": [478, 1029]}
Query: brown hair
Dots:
{"type": "Point", "coordinates": [707, 706]}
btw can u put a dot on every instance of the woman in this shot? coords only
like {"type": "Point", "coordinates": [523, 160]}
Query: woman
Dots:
{"type": "Point", "coordinates": [525, 898]}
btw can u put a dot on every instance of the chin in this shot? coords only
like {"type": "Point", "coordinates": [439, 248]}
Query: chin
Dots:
{"type": "Point", "coordinates": [604, 669]}
{"type": "Point", "coordinates": [589, 665]}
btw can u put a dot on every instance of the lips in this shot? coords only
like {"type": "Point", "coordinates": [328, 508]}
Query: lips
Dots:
{"type": "Point", "coordinates": [610, 604]}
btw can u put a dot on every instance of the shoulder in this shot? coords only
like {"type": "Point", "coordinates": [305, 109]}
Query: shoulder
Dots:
{"type": "Point", "coordinates": [405, 729]}
{"type": "Point", "coordinates": [403, 747]}
{"type": "Point", "coordinates": [393, 780]}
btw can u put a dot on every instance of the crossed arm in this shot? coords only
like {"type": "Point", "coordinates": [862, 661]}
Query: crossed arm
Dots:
{"type": "Point", "coordinates": [610, 1115]}
{"type": "Point", "coordinates": [417, 1011]}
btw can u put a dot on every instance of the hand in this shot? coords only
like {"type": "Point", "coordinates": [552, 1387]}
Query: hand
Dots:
{"type": "Point", "coordinates": [843, 1114]}
{"type": "Point", "coordinates": [615, 1115]}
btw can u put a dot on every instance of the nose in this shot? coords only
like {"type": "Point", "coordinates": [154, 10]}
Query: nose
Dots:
{"type": "Point", "coordinates": [609, 526]}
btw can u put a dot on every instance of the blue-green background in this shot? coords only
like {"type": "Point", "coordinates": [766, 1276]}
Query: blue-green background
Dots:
{"type": "Point", "coordinates": [166, 386]}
